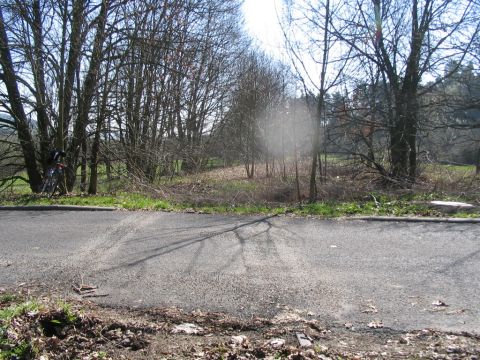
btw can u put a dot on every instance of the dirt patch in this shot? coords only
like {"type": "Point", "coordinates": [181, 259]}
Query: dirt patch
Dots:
{"type": "Point", "coordinates": [56, 328]}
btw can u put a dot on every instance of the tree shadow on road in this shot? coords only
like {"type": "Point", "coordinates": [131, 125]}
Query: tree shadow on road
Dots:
{"type": "Point", "coordinates": [181, 244]}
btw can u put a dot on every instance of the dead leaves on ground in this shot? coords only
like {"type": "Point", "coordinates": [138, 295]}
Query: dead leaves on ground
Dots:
{"type": "Point", "coordinates": [87, 331]}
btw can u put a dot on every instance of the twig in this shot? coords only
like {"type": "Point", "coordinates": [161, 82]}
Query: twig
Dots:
{"type": "Point", "coordinates": [94, 295]}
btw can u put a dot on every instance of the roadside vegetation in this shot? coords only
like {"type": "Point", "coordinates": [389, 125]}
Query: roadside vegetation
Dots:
{"type": "Point", "coordinates": [227, 190]}
{"type": "Point", "coordinates": [145, 99]}
{"type": "Point", "coordinates": [150, 90]}
{"type": "Point", "coordinates": [35, 325]}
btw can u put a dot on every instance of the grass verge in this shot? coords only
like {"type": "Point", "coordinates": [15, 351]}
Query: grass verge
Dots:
{"type": "Point", "coordinates": [380, 206]}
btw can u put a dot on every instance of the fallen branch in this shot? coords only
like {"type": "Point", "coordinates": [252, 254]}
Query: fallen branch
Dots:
{"type": "Point", "coordinates": [94, 295]}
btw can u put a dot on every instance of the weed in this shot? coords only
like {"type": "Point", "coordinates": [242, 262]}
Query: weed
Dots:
{"type": "Point", "coordinates": [350, 208]}
{"type": "Point", "coordinates": [8, 298]}
{"type": "Point", "coordinates": [70, 315]}
{"type": "Point", "coordinates": [17, 350]}
{"type": "Point", "coordinates": [23, 350]}
{"type": "Point", "coordinates": [320, 208]}
{"type": "Point", "coordinates": [101, 355]}
{"type": "Point", "coordinates": [7, 314]}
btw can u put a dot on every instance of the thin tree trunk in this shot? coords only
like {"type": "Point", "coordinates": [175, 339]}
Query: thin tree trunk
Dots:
{"type": "Point", "coordinates": [312, 197]}
{"type": "Point", "coordinates": [411, 131]}
{"type": "Point", "coordinates": [66, 91]}
{"type": "Point", "coordinates": [297, 180]}
{"type": "Point", "coordinates": [320, 107]}
{"type": "Point", "coordinates": [106, 157]}
{"type": "Point", "coordinates": [477, 165]}
{"type": "Point", "coordinates": [92, 186]}
{"type": "Point", "coordinates": [83, 167]}
{"type": "Point", "coordinates": [320, 167]}
{"type": "Point", "coordinates": [284, 166]}
{"type": "Point", "coordinates": [39, 77]}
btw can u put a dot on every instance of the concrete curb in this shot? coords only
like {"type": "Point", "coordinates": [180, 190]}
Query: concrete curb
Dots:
{"type": "Point", "coordinates": [57, 207]}
{"type": "Point", "coordinates": [363, 218]}
{"type": "Point", "coordinates": [416, 219]}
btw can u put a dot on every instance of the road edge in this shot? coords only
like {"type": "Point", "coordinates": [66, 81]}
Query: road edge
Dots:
{"type": "Point", "coordinates": [56, 207]}
{"type": "Point", "coordinates": [361, 218]}
{"type": "Point", "coordinates": [416, 219]}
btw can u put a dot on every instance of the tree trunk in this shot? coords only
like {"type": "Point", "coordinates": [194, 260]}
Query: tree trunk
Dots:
{"type": "Point", "coordinates": [66, 89]}
{"type": "Point", "coordinates": [92, 186]}
{"type": "Point", "coordinates": [40, 87]}
{"type": "Point", "coordinates": [312, 197]}
{"type": "Point", "coordinates": [411, 133]}
{"type": "Point", "coordinates": [403, 137]}
{"type": "Point", "coordinates": [477, 165]}
{"type": "Point", "coordinates": [398, 151]}
{"type": "Point", "coordinates": [320, 107]}
{"type": "Point", "coordinates": [403, 130]}
{"type": "Point", "coordinates": [250, 164]}
{"type": "Point", "coordinates": [83, 167]}
{"type": "Point", "coordinates": [17, 111]}
{"type": "Point", "coordinates": [316, 153]}
{"type": "Point", "coordinates": [295, 153]}
{"type": "Point", "coordinates": [297, 179]}
{"type": "Point", "coordinates": [89, 87]}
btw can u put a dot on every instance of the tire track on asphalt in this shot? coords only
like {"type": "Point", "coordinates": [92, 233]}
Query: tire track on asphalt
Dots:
{"type": "Point", "coordinates": [100, 252]}
{"type": "Point", "coordinates": [301, 297]}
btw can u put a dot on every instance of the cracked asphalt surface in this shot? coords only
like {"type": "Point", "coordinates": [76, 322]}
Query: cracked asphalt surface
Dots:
{"type": "Point", "coordinates": [338, 271]}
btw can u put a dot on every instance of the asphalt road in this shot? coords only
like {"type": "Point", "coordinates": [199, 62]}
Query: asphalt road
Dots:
{"type": "Point", "coordinates": [335, 270]}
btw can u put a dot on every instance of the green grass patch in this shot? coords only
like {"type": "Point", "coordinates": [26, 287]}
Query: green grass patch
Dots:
{"type": "Point", "coordinates": [382, 206]}
{"type": "Point", "coordinates": [320, 208]}
{"type": "Point", "coordinates": [17, 186]}
{"type": "Point", "coordinates": [8, 298]}
{"type": "Point", "coordinates": [19, 349]}
{"type": "Point", "coordinates": [14, 310]}
{"type": "Point", "coordinates": [369, 208]}
{"type": "Point", "coordinates": [120, 201]}
{"type": "Point", "coordinates": [239, 209]}
{"type": "Point", "coordinates": [23, 350]}
{"type": "Point", "coordinates": [462, 169]}
{"type": "Point", "coordinates": [66, 308]}
{"type": "Point", "coordinates": [375, 204]}
{"type": "Point", "coordinates": [427, 197]}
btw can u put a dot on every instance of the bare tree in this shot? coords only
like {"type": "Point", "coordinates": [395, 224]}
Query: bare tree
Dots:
{"type": "Point", "coordinates": [88, 91]}
{"type": "Point", "coordinates": [453, 109]}
{"type": "Point", "coordinates": [251, 121]}
{"type": "Point", "coordinates": [41, 32]}
{"type": "Point", "coordinates": [314, 54]}
{"type": "Point", "coordinates": [406, 40]}
{"type": "Point", "coordinates": [16, 108]}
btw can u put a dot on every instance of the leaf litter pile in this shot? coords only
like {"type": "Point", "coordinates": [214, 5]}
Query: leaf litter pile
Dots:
{"type": "Point", "coordinates": [49, 327]}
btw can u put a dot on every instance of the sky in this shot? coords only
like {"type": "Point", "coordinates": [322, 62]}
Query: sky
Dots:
{"type": "Point", "coordinates": [262, 24]}
{"type": "Point", "coordinates": [261, 21]}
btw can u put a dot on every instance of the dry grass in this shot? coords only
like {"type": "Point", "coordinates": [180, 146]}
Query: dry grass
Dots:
{"type": "Point", "coordinates": [345, 181]}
